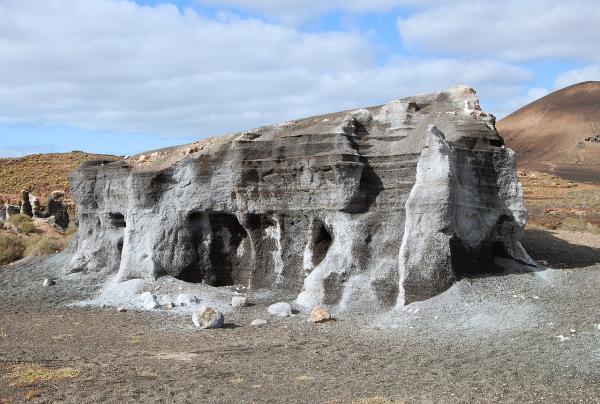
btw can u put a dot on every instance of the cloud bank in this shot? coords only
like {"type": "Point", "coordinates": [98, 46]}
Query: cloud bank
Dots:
{"type": "Point", "coordinates": [117, 66]}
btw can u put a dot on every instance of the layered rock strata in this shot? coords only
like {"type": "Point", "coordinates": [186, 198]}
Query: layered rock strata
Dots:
{"type": "Point", "coordinates": [363, 209]}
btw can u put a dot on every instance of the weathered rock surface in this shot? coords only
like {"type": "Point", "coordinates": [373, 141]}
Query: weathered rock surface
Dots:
{"type": "Point", "coordinates": [363, 209]}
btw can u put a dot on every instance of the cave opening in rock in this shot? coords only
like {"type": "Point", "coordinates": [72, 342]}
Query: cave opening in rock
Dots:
{"type": "Point", "coordinates": [227, 266]}
{"type": "Point", "coordinates": [321, 241]}
{"type": "Point", "coordinates": [222, 255]}
{"type": "Point", "coordinates": [117, 219]}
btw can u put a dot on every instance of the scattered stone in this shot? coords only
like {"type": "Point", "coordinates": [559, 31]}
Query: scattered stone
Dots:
{"type": "Point", "coordinates": [168, 306]}
{"type": "Point", "coordinates": [281, 309]}
{"type": "Point", "coordinates": [562, 338]}
{"type": "Point", "coordinates": [259, 322]}
{"type": "Point", "coordinates": [166, 300]}
{"type": "Point", "coordinates": [121, 309]}
{"type": "Point", "coordinates": [48, 282]}
{"type": "Point", "coordinates": [319, 315]}
{"type": "Point", "coordinates": [148, 301]}
{"type": "Point", "coordinates": [186, 299]}
{"type": "Point", "coordinates": [208, 317]}
{"type": "Point", "coordinates": [239, 301]}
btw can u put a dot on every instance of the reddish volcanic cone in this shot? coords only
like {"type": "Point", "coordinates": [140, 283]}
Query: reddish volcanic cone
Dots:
{"type": "Point", "coordinates": [559, 133]}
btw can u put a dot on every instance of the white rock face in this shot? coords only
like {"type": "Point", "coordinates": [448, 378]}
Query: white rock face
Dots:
{"type": "Point", "coordinates": [281, 309]}
{"type": "Point", "coordinates": [208, 317]}
{"type": "Point", "coordinates": [452, 228]}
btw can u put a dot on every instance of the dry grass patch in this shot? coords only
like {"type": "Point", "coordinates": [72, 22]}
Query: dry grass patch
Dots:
{"type": "Point", "coordinates": [31, 394]}
{"type": "Point", "coordinates": [32, 374]}
{"type": "Point", "coordinates": [12, 248]}
{"type": "Point", "coordinates": [43, 245]}
{"type": "Point", "coordinates": [23, 222]}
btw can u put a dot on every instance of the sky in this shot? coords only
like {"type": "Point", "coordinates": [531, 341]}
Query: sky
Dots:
{"type": "Point", "coordinates": [123, 76]}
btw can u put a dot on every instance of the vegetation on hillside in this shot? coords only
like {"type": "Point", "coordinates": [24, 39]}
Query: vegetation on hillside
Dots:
{"type": "Point", "coordinates": [557, 204]}
{"type": "Point", "coordinates": [23, 223]}
{"type": "Point", "coordinates": [41, 173]}
{"type": "Point", "coordinates": [12, 248]}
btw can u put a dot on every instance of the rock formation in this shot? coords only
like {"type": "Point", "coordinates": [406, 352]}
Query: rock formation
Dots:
{"type": "Point", "coordinates": [364, 209]}
{"type": "Point", "coordinates": [25, 204]}
{"type": "Point", "coordinates": [57, 209]}
{"type": "Point", "coordinates": [36, 207]}
{"type": "Point", "coordinates": [11, 210]}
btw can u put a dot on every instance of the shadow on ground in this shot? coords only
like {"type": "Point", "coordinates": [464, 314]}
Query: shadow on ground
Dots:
{"type": "Point", "coordinates": [544, 246]}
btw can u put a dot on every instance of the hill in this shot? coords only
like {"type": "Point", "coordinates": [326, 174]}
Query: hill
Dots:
{"type": "Point", "coordinates": [41, 173]}
{"type": "Point", "coordinates": [559, 133]}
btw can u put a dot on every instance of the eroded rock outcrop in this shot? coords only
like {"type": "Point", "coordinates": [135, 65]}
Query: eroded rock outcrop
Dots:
{"type": "Point", "coordinates": [26, 208]}
{"type": "Point", "coordinates": [56, 209]}
{"type": "Point", "coordinates": [363, 209]}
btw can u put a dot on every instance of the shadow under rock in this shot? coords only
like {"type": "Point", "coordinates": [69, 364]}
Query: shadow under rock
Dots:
{"type": "Point", "coordinates": [557, 253]}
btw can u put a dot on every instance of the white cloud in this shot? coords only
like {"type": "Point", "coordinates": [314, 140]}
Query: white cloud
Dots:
{"type": "Point", "coordinates": [509, 29]}
{"type": "Point", "coordinates": [588, 73]}
{"type": "Point", "coordinates": [301, 10]}
{"type": "Point", "coordinates": [112, 65]}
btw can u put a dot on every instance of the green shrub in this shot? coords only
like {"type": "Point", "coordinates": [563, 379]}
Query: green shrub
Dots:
{"type": "Point", "coordinates": [23, 222]}
{"type": "Point", "coordinates": [11, 248]}
{"type": "Point", "coordinates": [43, 245]}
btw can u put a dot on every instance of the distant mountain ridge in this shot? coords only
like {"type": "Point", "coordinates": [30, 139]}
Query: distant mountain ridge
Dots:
{"type": "Point", "coordinates": [559, 133]}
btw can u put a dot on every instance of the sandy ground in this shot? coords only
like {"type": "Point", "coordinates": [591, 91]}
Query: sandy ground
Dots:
{"type": "Point", "coordinates": [519, 337]}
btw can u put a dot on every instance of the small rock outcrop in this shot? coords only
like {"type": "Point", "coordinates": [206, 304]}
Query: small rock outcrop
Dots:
{"type": "Point", "coordinates": [26, 208]}
{"type": "Point", "coordinates": [36, 207]}
{"type": "Point", "coordinates": [12, 210]}
{"type": "Point", "coordinates": [57, 209]}
{"type": "Point", "coordinates": [358, 210]}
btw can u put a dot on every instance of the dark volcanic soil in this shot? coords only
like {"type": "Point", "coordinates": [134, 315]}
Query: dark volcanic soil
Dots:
{"type": "Point", "coordinates": [523, 337]}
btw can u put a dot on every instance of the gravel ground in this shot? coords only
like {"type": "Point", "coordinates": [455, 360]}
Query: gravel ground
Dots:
{"type": "Point", "coordinates": [519, 337]}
